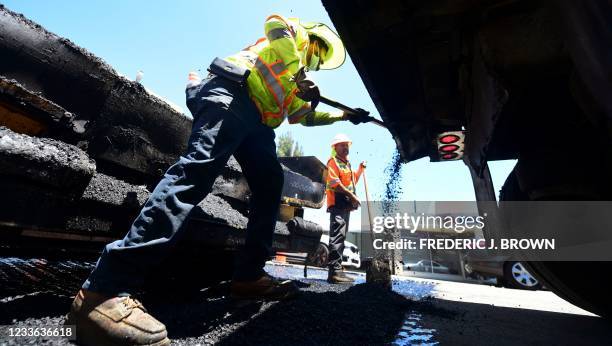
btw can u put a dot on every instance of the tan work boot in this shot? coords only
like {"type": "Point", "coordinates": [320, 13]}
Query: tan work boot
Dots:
{"type": "Point", "coordinates": [339, 277]}
{"type": "Point", "coordinates": [264, 288]}
{"type": "Point", "coordinates": [102, 320]}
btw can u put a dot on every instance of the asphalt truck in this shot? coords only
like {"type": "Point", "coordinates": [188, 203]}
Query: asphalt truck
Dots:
{"type": "Point", "coordinates": [486, 80]}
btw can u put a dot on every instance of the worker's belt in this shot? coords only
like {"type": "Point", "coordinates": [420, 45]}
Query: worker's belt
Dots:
{"type": "Point", "coordinates": [229, 71]}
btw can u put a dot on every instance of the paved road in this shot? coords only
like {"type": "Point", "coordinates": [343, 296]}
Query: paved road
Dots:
{"type": "Point", "coordinates": [453, 313]}
{"type": "Point", "coordinates": [420, 312]}
{"type": "Point", "coordinates": [469, 314]}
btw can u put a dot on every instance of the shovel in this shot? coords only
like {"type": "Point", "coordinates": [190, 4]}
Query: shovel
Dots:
{"type": "Point", "coordinates": [348, 109]}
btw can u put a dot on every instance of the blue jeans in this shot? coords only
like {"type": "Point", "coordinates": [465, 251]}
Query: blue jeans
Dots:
{"type": "Point", "coordinates": [225, 122]}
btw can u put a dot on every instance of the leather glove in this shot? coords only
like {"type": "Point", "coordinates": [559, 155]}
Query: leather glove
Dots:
{"type": "Point", "coordinates": [362, 116]}
{"type": "Point", "coordinates": [307, 89]}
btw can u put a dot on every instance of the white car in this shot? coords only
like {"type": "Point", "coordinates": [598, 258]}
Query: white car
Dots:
{"type": "Point", "coordinates": [350, 256]}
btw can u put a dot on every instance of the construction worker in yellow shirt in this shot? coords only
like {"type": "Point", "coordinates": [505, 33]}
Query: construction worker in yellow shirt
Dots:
{"type": "Point", "coordinates": [235, 110]}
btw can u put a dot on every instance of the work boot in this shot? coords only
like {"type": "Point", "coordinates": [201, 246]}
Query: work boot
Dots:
{"type": "Point", "coordinates": [338, 277]}
{"type": "Point", "coordinates": [103, 320]}
{"type": "Point", "coordinates": [264, 288]}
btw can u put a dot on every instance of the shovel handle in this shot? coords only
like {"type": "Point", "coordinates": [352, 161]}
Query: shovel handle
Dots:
{"type": "Point", "coordinates": [367, 196]}
{"type": "Point", "coordinates": [338, 105]}
{"type": "Point", "coordinates": [348, 109]}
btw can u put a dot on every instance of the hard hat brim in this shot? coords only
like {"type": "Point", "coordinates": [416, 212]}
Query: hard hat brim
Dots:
{"type": "Point", "coordinates": [336, 53]}
{"type": "Point", "coordinates": [338, 142]}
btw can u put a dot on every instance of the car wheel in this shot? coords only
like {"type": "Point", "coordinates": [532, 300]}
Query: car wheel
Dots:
{"type": "Point", "coordinates": [560, 277]}
{"type": "Point", "coordinates": [516, 275]}
{"type": "Point", "coordinates": [320, 257]}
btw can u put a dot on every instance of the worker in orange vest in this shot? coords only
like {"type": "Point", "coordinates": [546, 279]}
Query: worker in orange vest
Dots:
{"type": "Point", "coordinates": [341, 200]}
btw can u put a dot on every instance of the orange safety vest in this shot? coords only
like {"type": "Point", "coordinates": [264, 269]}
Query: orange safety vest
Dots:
{"type": "Point", "coordinates": [338, 172]}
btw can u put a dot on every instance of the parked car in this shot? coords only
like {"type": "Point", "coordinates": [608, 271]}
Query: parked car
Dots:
{"type": "Point", "coordinates": [427, 266]}
{"type": "Point", "coordinates": [350, 256]}
{"type": "Point", "coordinates": [511, 274]}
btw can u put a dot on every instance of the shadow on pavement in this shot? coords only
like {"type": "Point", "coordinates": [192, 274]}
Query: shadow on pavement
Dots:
{"type": "Point", "coordinates": [484, 324]}
{"type": "Point", "coordinates": [362, 314]}
{"type": "Point", "coordinates": [34, 306]}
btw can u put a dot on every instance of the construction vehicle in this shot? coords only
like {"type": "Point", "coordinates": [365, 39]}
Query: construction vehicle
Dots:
{"type": "Point", "coordinates": [81, 147]}
{"type": "Point", "coordinates": [490, 80]}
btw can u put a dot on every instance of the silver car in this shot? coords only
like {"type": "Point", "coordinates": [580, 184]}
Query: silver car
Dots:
{"type": "Point", "coordinates": [427, 266]}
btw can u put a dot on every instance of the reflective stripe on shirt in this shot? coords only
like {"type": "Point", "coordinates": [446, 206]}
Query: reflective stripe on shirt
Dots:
{"type": "Point", "coordinates": [272, 82]}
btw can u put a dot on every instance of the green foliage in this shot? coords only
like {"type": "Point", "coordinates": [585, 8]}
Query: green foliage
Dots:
{"type": "Point", "coordinates": [287, 146]}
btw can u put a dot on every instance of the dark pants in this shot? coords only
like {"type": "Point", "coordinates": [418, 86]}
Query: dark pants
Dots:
{"type": "Point", "coordinates": [225, 122]}
{"type": "Point", "coordinates": [338, 226]}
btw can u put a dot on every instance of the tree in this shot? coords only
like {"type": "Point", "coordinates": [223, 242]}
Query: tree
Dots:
{"type": "Point", "coordinates": [287, 146]}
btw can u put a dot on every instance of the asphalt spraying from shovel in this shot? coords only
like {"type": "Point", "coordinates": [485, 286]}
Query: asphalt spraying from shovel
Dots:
{"type": "Point", "coordinates": [393, 187]}
{"type": "Point", "coordinates": [413, 331]}
{"type": "Point", "coordinates": [389, 204]}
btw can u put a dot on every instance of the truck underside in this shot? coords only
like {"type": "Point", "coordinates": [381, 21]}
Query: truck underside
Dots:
{"type": "Point", "coordinates": [525, 80]}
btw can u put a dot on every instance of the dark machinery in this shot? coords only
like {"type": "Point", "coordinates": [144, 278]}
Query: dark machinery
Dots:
{"type": "Point", "coordinates": [503, 79]}
{"type": "Point", "coordinates": [80, 148]}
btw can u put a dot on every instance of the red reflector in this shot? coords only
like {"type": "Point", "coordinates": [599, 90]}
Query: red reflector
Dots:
{"type": "Point", "coordinates": [449, 148]}
{"type": "Point", "coordinates": [448, 139]}
{"type": "Point", "coordinates": [449, 156]}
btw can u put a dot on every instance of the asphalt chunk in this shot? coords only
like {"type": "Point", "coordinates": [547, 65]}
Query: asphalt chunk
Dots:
{"type": "Point", "coordinates": [43, 160]}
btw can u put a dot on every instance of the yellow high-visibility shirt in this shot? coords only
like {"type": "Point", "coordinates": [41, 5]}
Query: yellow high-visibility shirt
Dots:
{"type": "Point", "coordinates": [273, 61]}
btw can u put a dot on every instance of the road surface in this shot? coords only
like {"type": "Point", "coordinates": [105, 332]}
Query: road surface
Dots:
{"type": "Point", "coordinates": [36, 292]}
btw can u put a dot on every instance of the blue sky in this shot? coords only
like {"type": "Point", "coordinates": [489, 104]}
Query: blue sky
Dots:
{"type": "Point", "coordinates": [167, 39]}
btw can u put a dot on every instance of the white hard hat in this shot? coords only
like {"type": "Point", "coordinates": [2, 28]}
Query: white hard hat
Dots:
{"type": "Point", "coordinates": [341, 138]}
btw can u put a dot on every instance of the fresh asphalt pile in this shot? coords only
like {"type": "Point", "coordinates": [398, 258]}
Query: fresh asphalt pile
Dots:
{"type": "Point", "coordinates": [322, 314]}
{"type": "Point", "coordinates": [36, 292]}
